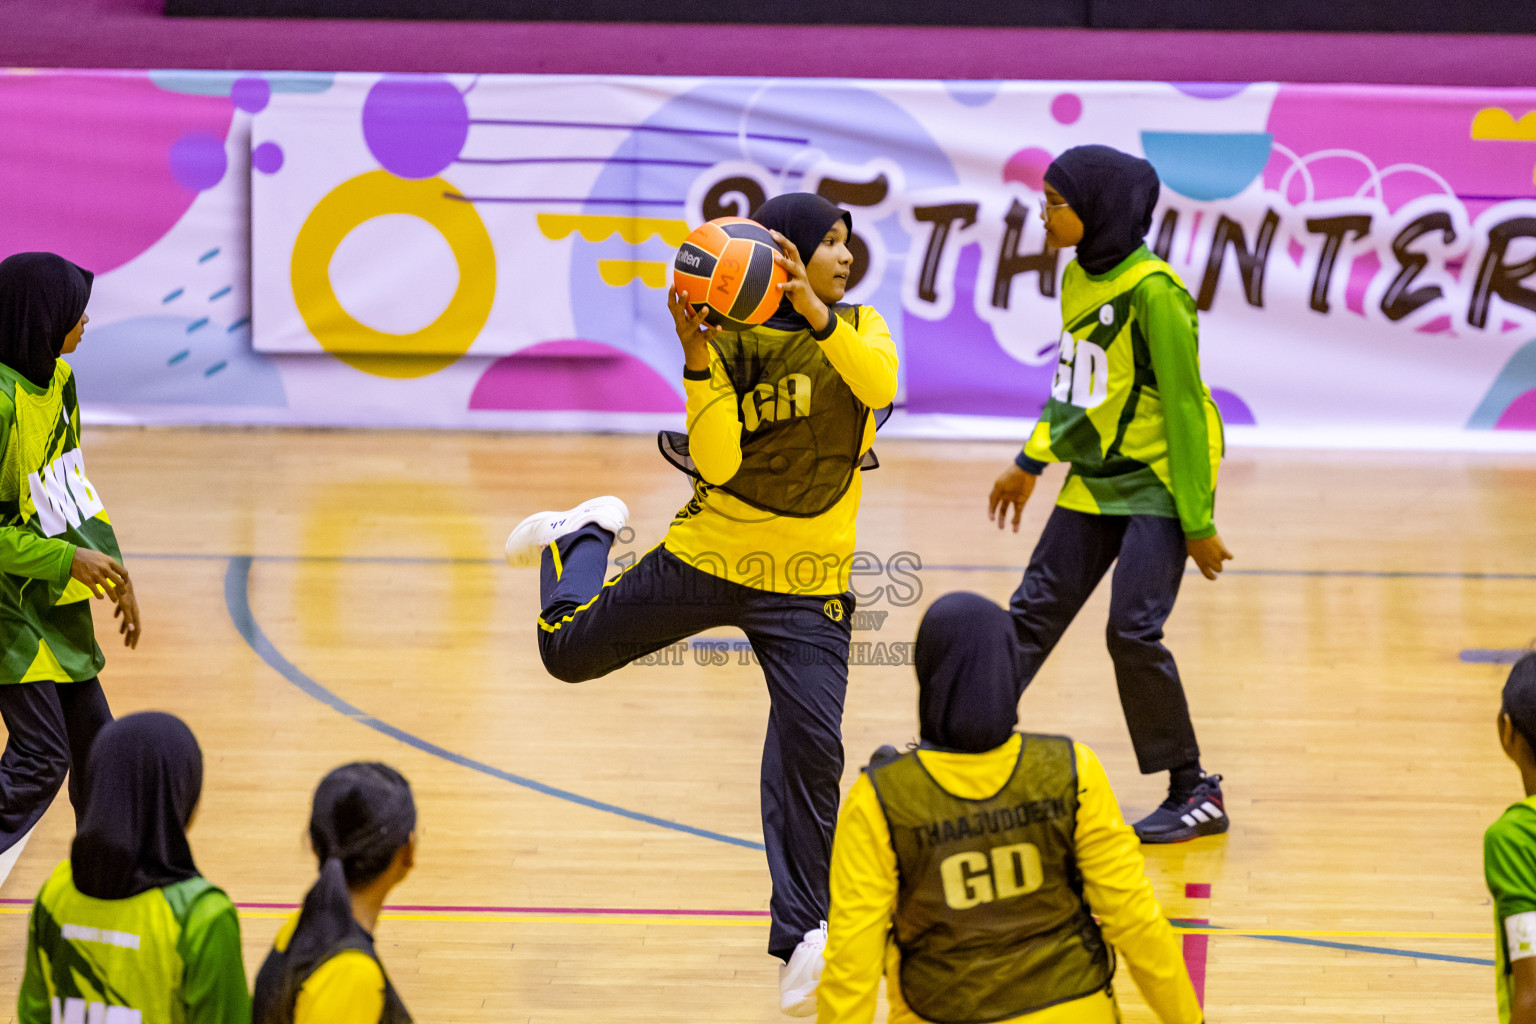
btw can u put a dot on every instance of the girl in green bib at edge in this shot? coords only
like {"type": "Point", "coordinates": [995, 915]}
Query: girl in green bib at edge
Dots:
{"type": "Point", "coordinates": [127, 930]}
{"type": "Point", "coordinates": [57, 548]}
{"type": "Point", "coordinates": [323, 968]}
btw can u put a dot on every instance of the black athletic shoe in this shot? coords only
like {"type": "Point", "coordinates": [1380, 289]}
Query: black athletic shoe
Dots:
{"type": "Point", "coordinates": [1181, 818]}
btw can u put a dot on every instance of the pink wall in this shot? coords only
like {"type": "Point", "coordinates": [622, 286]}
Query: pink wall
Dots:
{"type": "Point", "coordinates": [133, 34]}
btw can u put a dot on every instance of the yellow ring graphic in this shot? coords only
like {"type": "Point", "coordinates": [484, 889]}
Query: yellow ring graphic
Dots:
{"type": "Point", "coordinates": [441, 342]}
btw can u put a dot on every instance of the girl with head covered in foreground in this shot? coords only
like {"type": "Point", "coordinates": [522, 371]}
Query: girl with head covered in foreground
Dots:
{"type": "Point", "coordinates": [127, 920]}
{"type": "Point", "coordinates": [968, 871]}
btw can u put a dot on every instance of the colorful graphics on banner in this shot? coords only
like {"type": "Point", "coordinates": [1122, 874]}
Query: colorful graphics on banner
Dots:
{"type": "Point", "coordinates": [463, 251]}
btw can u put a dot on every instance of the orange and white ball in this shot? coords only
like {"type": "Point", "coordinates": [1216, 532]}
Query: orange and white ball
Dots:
{"type": "Point", "coordinates": [728, 265]}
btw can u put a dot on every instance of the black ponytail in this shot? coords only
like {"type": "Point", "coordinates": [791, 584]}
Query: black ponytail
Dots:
{"type": "Point", "coordinates": [363, 814]}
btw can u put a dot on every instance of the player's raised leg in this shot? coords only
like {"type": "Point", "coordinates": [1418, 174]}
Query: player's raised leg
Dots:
{"type": "Point", "coordinates": [589, 627]}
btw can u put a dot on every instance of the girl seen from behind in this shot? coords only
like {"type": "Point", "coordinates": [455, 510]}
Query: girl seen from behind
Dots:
{"type": "Point", "coordinates": [127, 920]}
{"type": "Point", "coordinates": [323, 968]}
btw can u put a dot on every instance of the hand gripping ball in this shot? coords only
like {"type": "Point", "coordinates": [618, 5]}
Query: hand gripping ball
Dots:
{"type": "Point", "coordinates": [728, 266]}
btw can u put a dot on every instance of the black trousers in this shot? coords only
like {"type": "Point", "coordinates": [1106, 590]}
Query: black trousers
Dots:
{"type": "Point", "coordinates": [802, 644]}
{"type": "Point", "coordinates": [51, 727]}
{"type": "Point", "coordinates": [1075, 550]}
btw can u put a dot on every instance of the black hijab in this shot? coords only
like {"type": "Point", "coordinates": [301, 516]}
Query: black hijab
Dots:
{"type": "Point", "coordinates": [363, 813]}
{"type": "Point", "coordinates": [968, 674]}
{"type": "Point", "coordinates": [804, 219]}
{"type": "Point", "coordinates": [145, 773]}
{"type": "Point", "coordinates": [42, 297]}
{"type": "Point", "coordinates": [1113, 193]}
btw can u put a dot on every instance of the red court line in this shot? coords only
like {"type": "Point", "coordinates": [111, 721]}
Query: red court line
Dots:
{"type": "Point", "coordinates": [446, 909]}
{"type": "Point", "coordinates": [594, 911]}
{"type": "Point", "coordinates": [1197, 947]}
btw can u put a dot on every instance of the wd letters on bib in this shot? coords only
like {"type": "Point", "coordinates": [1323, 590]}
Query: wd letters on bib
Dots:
{"type": "Point", "coordinates": [44, 490]}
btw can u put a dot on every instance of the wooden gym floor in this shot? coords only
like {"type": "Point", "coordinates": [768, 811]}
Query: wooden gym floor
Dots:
{"type": "Point", "coordinates": [316, 597]}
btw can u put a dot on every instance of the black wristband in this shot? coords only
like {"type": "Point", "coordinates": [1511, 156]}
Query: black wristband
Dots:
{"type": "Point", "coordinates": [695, 374]}
{"type": "Point", "coordinates": [1034, 467]}
{"type": "Point", "coordinates": [826, 332]}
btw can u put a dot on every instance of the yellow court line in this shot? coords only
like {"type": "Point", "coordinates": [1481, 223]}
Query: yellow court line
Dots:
{"type": "Point", "coordinates": [537, 919]}
{"type": "Point", "coordinates": [713, 922]}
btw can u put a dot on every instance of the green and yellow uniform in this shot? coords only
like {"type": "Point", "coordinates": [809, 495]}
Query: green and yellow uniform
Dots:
{"type": "Point", "coordinates": [726, 536]}
{"type": "Point", "coordinates": [1127, 408]}
{"type": "Point", "coordinates": [166, 956]}
{"type": "Point", "coordinates": [48, 508]}
{"type": "Point", "coordinates": [870, 923]}
{"type": "Point", "coordinates": [1509, 865]}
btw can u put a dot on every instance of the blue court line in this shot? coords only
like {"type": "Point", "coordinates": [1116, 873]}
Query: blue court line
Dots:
{"type": "Point", "coordinates": [1369, 574]}
{"type": "Point", "coordinates": [237, 582]}
{"type": "Point", "coordinates": [1494, 655]}
{"type": "Point", "coordinates": [1349, 947]}
{"type": "Point", "coordinates": [1364, 574]}
{"type": "Point", "coordinates": [237, 579]}
{"type": "Point", "coordinates": [1382, 950]}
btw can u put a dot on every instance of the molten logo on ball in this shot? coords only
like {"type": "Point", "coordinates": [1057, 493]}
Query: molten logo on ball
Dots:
{"type": "Point", "coordinates": [728, 266]}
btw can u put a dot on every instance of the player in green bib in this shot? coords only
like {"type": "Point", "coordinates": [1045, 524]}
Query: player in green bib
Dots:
{"type": "Point", "coordinates": [1509, 856]}
{"type": "Point", "coordinates": [57, 548]}
{"type": "Point", "coordinates": [1129, 412]}
{"type": "Point", "coordinates": [127, 931]}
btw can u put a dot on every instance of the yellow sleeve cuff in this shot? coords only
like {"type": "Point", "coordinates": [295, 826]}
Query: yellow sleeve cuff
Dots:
{"type": "Point", "coordinates": [346, 989]}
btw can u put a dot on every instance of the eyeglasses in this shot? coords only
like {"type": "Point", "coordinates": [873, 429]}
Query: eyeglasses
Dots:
{"type": "Point", "coordinates": [1046, 206]}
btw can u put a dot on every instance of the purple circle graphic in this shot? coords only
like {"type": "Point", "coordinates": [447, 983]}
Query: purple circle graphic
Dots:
{"type": "Point", "coordinates": [267, 158]}
{"type": "Point", "coordinates": [251, 94]}
{"type": "Point", "coordinates": [415, 126]}
{"type": "Point", "coordinates": [1067, 108]}
{"type": "Point", "coordinates": [1027, 167]}
{"type": "Point", "coordinates": [198, 161]}
{"type": "Point", "coordinates": [1210, 90]}
{"type": "Point", "coordinates": [1234, 411]}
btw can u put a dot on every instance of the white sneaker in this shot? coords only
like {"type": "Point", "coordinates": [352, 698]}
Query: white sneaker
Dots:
{"type": "Point", "coordinates": [798, 978]}
{"type": "Point", "coordinates": [526, 544]}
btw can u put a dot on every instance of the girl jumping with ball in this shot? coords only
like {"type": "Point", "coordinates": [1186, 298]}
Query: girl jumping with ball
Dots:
{"type": "Point", "coordinates": [779, 419]}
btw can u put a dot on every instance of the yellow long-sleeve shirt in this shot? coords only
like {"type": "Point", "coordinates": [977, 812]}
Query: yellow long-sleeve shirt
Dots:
{"type": "Point", "coordinates": [346, 989]}
{"type": "Point", "coordinates": [725, 536]}
{"type": "Point", "coordinates": [1115, 884]}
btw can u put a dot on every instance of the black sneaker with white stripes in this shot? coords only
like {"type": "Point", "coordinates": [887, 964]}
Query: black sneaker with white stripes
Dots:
{"type": "Point", "coordinates": [1184, 817]}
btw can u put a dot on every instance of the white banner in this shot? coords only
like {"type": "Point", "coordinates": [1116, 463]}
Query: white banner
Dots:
{"type": "Point", "coordinates": [494, 251]}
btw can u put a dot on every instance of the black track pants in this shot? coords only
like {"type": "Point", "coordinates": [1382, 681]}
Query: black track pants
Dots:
{"type": "Point", "coordinates": [588, 628]}
{"type": "Point", "coordinates": [1075, 550]}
